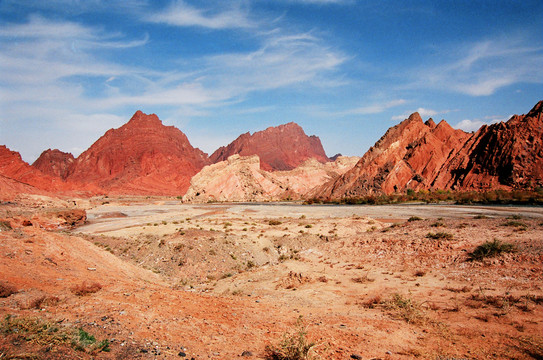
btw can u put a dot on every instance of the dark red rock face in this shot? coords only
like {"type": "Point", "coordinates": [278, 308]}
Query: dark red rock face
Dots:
{"type": "Point", "coordinates": [54, 163]}
{"type": "Point", "coordinates": [417, 155]}
{"type": "Point", "coordinates": [141, 157]}
{"type": "Point", "coordinates": [280, 148]}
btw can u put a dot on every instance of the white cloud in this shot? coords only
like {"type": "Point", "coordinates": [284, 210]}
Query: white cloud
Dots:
{"type": "Point", "coordinates": [482, 68]}
{"type": "Point", "coordinates": [374, 108]}
{"type": "Point", "coordinates": [55, 71]}
{"type": "Point", "coordinates": [474, 125]}
{"type": "Point", "coordinates": [283, 60]}
{"type": "Point", "coordinates": [181, 14]}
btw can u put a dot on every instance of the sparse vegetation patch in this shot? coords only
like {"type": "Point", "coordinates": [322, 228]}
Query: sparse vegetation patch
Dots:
{"type": "Point", "coordinates": [491, 249]}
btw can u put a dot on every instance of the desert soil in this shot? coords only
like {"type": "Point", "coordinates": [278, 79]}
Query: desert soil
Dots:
{"type": "Point", "coordinates": [218, 281]}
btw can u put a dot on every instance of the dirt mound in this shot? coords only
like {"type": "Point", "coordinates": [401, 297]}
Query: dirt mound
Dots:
{"type": "Point", "coordinates": [279, 148]}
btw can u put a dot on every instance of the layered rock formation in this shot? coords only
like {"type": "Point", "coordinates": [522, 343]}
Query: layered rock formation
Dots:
{"type": "Point", "coordinates": [279, 148]}
{"type": "Point", "coordinates": [417, 155]}
{"type": "Point", "coordinates": [142, 157]}
{"type": "Point", "coordinates": [54, 163]}
{"type": "Point", "coordinates": [242, 179]}
{"type": "Point", "coordinates": [16, 176]}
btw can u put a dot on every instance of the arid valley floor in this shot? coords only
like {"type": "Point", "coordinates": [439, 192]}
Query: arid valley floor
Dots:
{"type": "Point", "coordinates": [161, 279]}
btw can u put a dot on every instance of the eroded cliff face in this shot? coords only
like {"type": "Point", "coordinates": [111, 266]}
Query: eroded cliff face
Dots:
{"type": "Point", "coordinates": [240, 178]}
{"type": "Point", "coordinates": [141, 157]}
{"type": "Point", "coordinates": [417, 155]}
{"type": "Point", "coordinates": [279, 148]}
{"type": "Point", "coordinates": [54, 163]}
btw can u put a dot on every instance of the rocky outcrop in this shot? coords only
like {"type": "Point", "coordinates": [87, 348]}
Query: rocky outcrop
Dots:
{"type": "Point", "coordinates": [279, 148]}
{"type": "Point", "coordinates": [18, 176]}
{"type": "Point", "coordinates": [504, 155]}
{"type": "Point", "coordinates": [416, 155]}
{"type": "Point", "coordinates": [142, 157]}
{"type": "Point", "coordinates": [240, 178]}
{"type": "Point", "coordinates": [54, 163]}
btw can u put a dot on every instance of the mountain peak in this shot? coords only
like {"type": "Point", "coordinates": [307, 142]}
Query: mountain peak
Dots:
{"type": "Point", "coordinates": [140, 117]}
{"type": "Point", "coordinates": [282, 147]}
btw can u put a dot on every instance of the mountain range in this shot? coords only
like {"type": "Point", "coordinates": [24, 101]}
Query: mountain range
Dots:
{"type": "Point", "coordinates": [145, 157]}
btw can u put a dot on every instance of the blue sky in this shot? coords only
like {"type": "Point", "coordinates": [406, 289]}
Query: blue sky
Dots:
{"type": "Point", "coordinates": [345, 70]}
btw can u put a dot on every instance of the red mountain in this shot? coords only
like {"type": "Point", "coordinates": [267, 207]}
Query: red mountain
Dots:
{"type": "Point", "coordinates": [141, 157]}
{"type": "Point", "coordinates": [54, 163]}
{"type": "Point", "coordinates": [417, 155]}
{"type": "Point", "coordinates": [16, 176]}
{"type": "Point", "coordinates": [280, 148]}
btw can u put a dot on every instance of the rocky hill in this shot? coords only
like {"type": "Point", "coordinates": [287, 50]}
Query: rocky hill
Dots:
{"type": "Point", "coordinates": [16, 176]}
{"type": "Point", "coordinates": [240, 178]}
{"type": "Point", "coordinates": [279, 148]}
{"type": "Point", "coordinates": [54, 163]}
{"type": "Point", "coordinates": [142, 157]}
{"type": "Point", "coordinates": [416, 155]}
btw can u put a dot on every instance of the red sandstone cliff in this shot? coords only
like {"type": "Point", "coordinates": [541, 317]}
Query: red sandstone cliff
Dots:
{"type": "Point", "coordinates": [417, 155]}
{"type": "Point", "coordinates": [142, 157]}
{"type": "Point", "coordinates": [54, 163]}
{"type": "Point", "coordinates": [279, 148]}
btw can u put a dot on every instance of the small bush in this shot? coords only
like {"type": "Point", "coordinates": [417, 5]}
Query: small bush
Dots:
{"type": "Point", "coordinates": [86, 288]}
{"type": "Point", "coordinates": [308, 226]}
{"type": "Point", "coordinates": [514, 223]}
{"type": "Point", "coordinates": [480, 217]}
{"type": "Point", "coordinates": [491, 249]}
{"type": "Point", "coordinates": [414, 218]}
{"type": "Point", "coordinates": [294, 345]}
{"type": "Point", "coordinates": [439, 236]}
{"type": "Point", "coordinates": [51, 334]}
{"type": "Point", "coordinates": [274, 222]}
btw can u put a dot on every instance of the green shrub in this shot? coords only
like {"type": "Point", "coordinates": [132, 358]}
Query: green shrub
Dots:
{"type": "Point", "coordinates": [491, 249]}
{"type": "Point", "coordinates": [414, 218]}
{"type": "Point", "coordinates": [439, 236]}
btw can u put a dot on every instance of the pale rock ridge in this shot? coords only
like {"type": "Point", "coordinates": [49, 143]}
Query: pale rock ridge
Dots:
{"type": "Point", "coordinates": [241, 179]}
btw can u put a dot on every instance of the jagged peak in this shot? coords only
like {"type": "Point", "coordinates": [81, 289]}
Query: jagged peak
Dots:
{"type": "Point", "coordinates": [430, 123]}
{"type": "Point", "coordinates": [536, 110]}
{"type": "Point", "coordinates": [415, 117]}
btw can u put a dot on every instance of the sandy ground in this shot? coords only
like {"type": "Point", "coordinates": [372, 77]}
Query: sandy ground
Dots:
{"type": "Point", "coordinates": [217, 281]}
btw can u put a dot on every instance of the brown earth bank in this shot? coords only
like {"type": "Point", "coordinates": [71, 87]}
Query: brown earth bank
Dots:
{"type": "Point", "coordinates": [152, 278]}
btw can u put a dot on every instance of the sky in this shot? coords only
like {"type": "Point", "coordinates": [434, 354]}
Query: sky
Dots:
{"type": "Point", "coordinates": [345, 70]}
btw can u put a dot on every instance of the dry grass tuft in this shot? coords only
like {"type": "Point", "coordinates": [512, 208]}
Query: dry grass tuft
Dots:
{"type": "Point", "coordinates": [405, 309]}
{"type": "Point", "coordinates": [293, 346]}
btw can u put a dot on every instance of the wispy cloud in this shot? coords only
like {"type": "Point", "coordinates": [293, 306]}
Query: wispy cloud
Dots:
{"type": "Point", "coordinates": [180, 13]}
{"type": "Point", "coordinates": [282, 60]}
{"type": "Point", "coordinates": [474, 125]}
{"type": "Point", "coordinates": [374, 108]}
{"type": "Point", "coordinates": [48, 64]}
{"type": "Point", "coordinates": [482, 68]}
